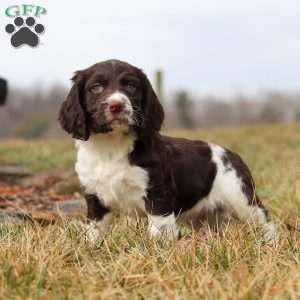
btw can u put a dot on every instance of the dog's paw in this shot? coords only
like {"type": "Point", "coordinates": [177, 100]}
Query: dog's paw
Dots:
{"type": "Point", "coordinates": [92, 233]}
{"type": "Point", "coordinates": [270, 233]}
{"type": "Point", "coordinates": [163, 227]}
{"type": "Point", "coordinates": [24, 34]}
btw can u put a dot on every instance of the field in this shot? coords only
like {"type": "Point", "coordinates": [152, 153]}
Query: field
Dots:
{"type": "Point", "coordinates": [56, 262]}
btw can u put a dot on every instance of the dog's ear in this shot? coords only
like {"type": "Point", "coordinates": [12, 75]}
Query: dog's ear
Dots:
{"type": "Point", "coordinates": [153, 111]}
{"type": "Point", "coordinates": [72, 116]}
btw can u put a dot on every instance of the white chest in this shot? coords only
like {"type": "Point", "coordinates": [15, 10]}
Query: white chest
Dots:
{"type": "Point", "coordinates": [103, 169]}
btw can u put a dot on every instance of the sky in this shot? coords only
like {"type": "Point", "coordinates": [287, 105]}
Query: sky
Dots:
{"type": "Point", "coordinates": [208, 47]}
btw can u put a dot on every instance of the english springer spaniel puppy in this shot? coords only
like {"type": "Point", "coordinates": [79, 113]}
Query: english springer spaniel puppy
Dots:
{"type": "Point", "coordinates": [126, 165]}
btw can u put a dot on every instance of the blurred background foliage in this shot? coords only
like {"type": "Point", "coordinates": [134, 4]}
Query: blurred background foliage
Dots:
{"type": "Point", "coordinates": [32, 113]}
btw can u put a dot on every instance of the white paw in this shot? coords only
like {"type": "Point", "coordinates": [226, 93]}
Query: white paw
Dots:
{"type": "Point", "coordinates": [270, 233]}
{"type": "Point", "coordinates": [95, 231]}
{"type": "Point", "coordinates": [92, 233]}
{"type": "Point", "coordinates": [163, 226]}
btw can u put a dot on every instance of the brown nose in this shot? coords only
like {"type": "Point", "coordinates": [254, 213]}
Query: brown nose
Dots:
{"type": "Point", "coordinates": [116, 107]}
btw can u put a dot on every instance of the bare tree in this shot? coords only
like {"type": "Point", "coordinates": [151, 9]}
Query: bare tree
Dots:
{"type": "Point", "coordinates": [184, 109]}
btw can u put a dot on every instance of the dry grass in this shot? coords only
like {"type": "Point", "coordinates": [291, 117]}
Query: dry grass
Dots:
{"type": "Point", "coordinates": [56, 262]}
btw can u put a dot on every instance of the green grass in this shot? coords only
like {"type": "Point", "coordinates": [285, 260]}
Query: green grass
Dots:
{"type": "Point", "coordinates": [38, 155]}
{"type": "Point", "coordinates": [56, 262]}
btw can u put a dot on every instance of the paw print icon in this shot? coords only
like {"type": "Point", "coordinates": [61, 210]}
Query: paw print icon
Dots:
{"type": "Point", "coordinates": [24, 32]}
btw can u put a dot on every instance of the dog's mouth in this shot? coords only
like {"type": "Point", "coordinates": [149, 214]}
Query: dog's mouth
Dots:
{"type": "Point", "coordinates": [123, 123]}
{"type": "Point", "coordinates": [119, 122]}
{"type": "Point", "coordinates": [123, 118]}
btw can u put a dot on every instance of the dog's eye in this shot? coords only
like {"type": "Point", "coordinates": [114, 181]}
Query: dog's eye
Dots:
{"type": "Point", "coordinates": [131, 87]}
{"type": "Point", "coordinates": [97, 88]}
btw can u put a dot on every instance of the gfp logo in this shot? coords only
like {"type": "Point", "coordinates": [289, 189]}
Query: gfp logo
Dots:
{"type": "Point", "coordinates": [25, 29]}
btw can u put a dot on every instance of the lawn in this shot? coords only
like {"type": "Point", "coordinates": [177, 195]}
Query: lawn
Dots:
{"type": "Point", "coordinates": [56, 262]}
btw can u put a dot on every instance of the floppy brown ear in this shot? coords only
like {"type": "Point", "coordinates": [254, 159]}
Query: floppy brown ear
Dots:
{"type": "Point", "coordinates": [152, 109]}
{"type": "Point", "coordinates": [72, 116]}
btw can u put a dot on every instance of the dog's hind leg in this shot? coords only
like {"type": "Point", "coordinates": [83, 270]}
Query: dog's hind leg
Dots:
{"type": "Point", "coordinates": [253, 211]}
{"type": "Point", "coordinates": [234, 189]}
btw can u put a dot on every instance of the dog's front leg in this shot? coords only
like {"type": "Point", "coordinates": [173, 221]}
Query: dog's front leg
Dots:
{"type": "Point", "coordinates": [99, 218]}
{"type": "Point", "coordinates": [162, 220]}
{"type": "Point", "coordinates": [163, 226]}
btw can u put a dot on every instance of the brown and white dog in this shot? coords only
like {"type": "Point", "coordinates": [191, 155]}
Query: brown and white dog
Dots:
{"type": "Point", "coordinates": [126, 165]}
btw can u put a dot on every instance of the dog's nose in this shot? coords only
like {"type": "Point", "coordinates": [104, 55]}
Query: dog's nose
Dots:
{"type": "Point", "coordinates": [116, 107]}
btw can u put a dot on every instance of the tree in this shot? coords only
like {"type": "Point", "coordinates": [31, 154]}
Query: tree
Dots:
{"type": "Point", "coordinates": [184, 109]}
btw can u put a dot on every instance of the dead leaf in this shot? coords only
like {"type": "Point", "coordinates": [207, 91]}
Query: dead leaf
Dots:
{"type": "Point", "coordinates": [44, 218]}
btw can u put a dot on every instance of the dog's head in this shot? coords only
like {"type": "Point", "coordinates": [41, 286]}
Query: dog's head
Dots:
{"type": "Point", "coordinates": [110, 95]}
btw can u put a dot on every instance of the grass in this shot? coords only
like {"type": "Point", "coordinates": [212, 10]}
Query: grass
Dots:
{"type": "Point", "coordinates": [38, 155]}
{"type": "Point", "coordinates": [56, 262]}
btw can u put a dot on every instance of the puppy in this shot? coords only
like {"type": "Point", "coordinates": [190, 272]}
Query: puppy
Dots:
{"type": "Point", "coordinates": [126, 165]}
